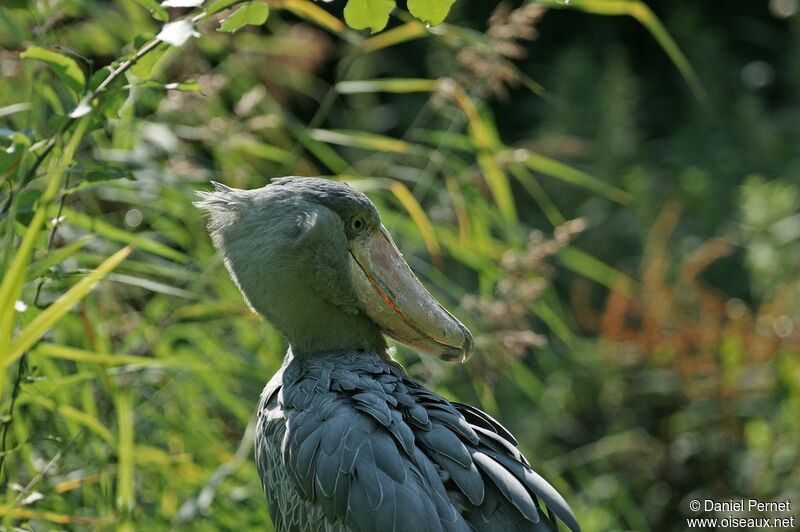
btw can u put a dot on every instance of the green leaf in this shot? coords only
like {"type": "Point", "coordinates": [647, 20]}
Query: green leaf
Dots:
{"type": "Point", "coordinates": [219, 5]}
{"type": "Point", "coordinates": [253, 13]}
{"type": "Point", "coordinates": [144, 66]}
{"type": "Point", "coordinates": [430, 11]}
{"type": "Point", "coordinates": [65, 67]}
{"type": "Point", "coordinates": [103, 171]}
{"type": "Point", "coordinates": [156, 11]}
{"type": "Point", "coordinates": [372, 14]}
{"type": "Point", "coordinates": [26, 205]}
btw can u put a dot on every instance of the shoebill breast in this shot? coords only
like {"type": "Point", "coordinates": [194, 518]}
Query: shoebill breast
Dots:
{"type": "Point", "coordinates": [345, 440]}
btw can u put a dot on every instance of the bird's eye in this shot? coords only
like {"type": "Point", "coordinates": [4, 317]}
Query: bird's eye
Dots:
{"type": "Point", "coordinates": [357, 224]}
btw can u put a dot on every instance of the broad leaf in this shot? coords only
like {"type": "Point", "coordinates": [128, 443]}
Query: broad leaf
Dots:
{"type": "Point", "coordinates": [430, 11]}
{"type": "Point", "coordinates": [144, 66]}
{"type": "Point", "coordinates": [177, 33]}
{"type": "Point", "coordinates": [252, 13]}
{"type": "Point", "coordinates": [64, 66]}
{"type": "Point", "coordinates": [372, 14]}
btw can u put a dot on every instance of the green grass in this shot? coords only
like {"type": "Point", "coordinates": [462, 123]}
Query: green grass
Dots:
{"type": "Point", "coordinates": [132, 367]}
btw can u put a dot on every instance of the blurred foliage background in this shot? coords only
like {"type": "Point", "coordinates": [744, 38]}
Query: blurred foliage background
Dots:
{"type": "Point", "coordinates": [620, 230]}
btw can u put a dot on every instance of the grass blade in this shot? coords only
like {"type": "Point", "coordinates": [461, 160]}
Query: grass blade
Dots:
{"type": "Point", "coordinates": [593, 268]}
{"type": "Point", "coordinates": [645, 16]}
{"type": "Point", "coordinates": [311, 12]}
{"type": "Point", "coordinates": [76, 416]}
{"type": "Point", "coordinates": [44, 321]}
{"type": "Point", "coordinates": [393, 85]}
{"type": "Point", "coordinates": [564, 172]}
{"type": "Point", "coordinates": [74, 354]}
{"type": "Point", "coordinates": [106, 230]}
{"type": "Point", "coordinates": [486, 143]}
{"type": "Point", "coordinates": [417, 213]}
{"type": "Point", "coordinates": [126, 498]}
{"type": "Point", "coordinates": [407, 32]}
{"type": "Point", "coordinates": [53, 258]}
{"type": "Point", "coordinates": [16, 274]}
{"type": "Point", "coordinates": [532, 186]}
{"type": "Point", "coordinates": [364, 141]}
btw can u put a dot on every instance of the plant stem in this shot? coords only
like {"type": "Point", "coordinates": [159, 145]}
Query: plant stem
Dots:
{"type": "Point", "coordinates": [86, 99]}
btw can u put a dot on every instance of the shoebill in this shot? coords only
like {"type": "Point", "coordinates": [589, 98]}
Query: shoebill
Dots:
{"type": "Point", "coordinates": [345, 440]}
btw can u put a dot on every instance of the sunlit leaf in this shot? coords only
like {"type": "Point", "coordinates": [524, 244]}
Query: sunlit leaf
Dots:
{"type": "Point", "coordinates": [311, 12]}
{"type": "Point", "coordinates": [251, 13]}
{"type": "Point", "coordinates": [372, 14]}
{"type": "Point", "coordinates": [430, 11]}
{"type": "Point", "coordinates": [417, 213]}
{"type": "Point", "coordinates": [182, 3]}
{"type": "Point", "coordinates": [65, 67]}
{"type": "Point", "coordinates": [367, 141]}
{"type": "Point", "coordinates": [63, 352]}
{"type": "Point", "coordinates": [407, 32]}
{"type": "Point", "coordinates": [14, 108]}
{"type": "Point", "coordinates": [387, 85]}
{"type": "Point", "coordinates": [83, 108]}
{"type": "Point", "coordinates": [177, 33]}
{"type": "Point", "coordinates": [126, 498]}
{"type": "Point", "coordinates": [43, 515]}
{"type": "Point", "coordinates": [189, 85]}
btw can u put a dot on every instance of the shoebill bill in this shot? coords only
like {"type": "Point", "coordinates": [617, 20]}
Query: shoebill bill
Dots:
{"type": "Point", "coordinates": [345, 440]}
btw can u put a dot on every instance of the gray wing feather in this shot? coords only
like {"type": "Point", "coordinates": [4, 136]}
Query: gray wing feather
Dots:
{"type": "Point", "coordinates": [371, 451]}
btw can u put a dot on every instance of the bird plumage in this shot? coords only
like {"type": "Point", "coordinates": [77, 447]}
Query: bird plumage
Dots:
{"type": "Point", "coordinates": [345, 440]}
{"type": "Point", "coordinates": [371, 450]}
